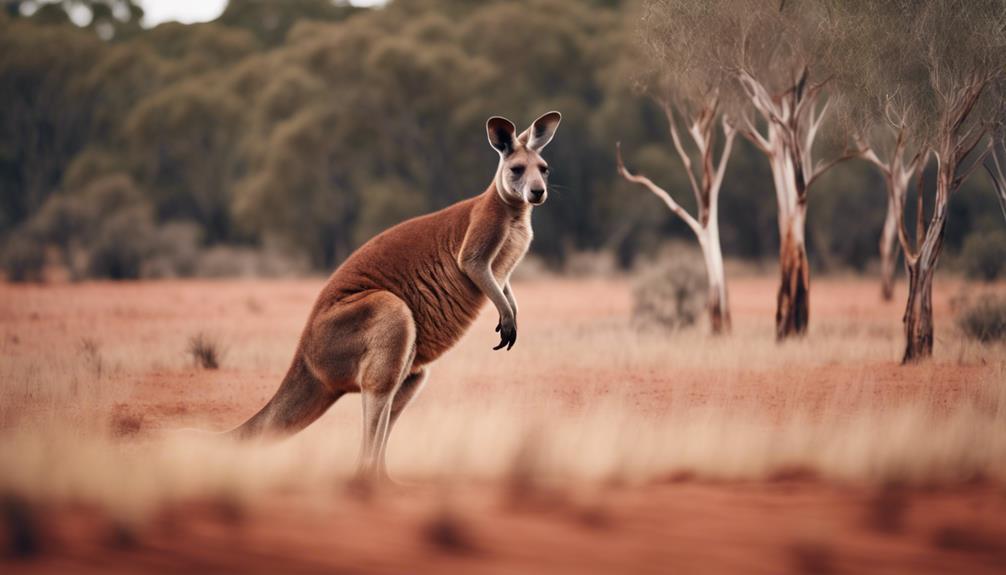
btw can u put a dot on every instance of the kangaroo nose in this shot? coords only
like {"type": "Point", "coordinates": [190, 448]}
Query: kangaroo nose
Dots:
{"type": "Point", "coordinates": [537, 193]}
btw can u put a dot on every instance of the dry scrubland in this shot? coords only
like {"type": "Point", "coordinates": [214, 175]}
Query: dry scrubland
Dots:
{"type": "Point", "coordinates": [589, 446]}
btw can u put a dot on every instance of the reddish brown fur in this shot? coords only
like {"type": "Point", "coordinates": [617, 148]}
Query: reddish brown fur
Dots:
{"type": "Point", "coordinates": [407, 295]}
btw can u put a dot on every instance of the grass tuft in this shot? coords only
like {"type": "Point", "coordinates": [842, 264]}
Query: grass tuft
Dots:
{"type": "Point", "coordinates": [90, 350]}
{"type": "Point", "coordinates": [206, 352]}
{"type": "Point", "coordinates": [985, 319]}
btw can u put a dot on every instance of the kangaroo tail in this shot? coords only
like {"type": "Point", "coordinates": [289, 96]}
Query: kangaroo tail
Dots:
{"type": "Point", "coordinates": [300, 399]}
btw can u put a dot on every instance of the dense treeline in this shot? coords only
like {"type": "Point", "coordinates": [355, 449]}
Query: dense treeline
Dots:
{"type": "Point", "coordinates": [311, 126]}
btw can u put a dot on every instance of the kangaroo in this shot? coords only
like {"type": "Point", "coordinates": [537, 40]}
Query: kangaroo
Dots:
{"type": "Point", "coordinates": [406, 296]}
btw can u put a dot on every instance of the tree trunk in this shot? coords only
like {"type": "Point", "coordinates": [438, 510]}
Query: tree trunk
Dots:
{"type": "Point", "coordinates": [889, 250]}
{"type": "Point", "coordinates": [792, 313]}
{"type": "Point", "coordinates": [919, 313]}
{"type": "Point", "coordinates": [718, 303]}
{"type": "Point", "coordinates": [919, 310]}
{"type": "Point", "coordinates": [793, 302]}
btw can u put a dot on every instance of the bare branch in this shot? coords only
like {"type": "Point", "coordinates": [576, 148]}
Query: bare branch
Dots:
{"type": "Point", "coordinates": [808, 97]}
{"type": "Point", "coordinates": [996, 168]}
{"type": "Point", "coordinates": [968, 99]}
{"type": "Point", "coordinates": [808, 147]}
{"type": "Point", "coordinates": [682, 153]}
{"type": "Point", "coordinates": [869, 155]}
{"type": "Point", "coordinates": [754, 136]}
{"type": "Point", "coordinates": [822, 168]}
{"type": "Point", "coordinates": [729, 132]}
{"type": "Point", "coordinates": [918, 162]}
{"type": "Point", "coordinates": [911, 255]}
{"type": "Point", "coordinates": [760, 97]}
{"type": "Point", "coordinates": [920, 212]}
{"type": "Point", "coordinates": [658, 191]}
{"type": "Point", "coordinates": [816, 122]}
{"type": "Point", "coordinates": [966, 172]}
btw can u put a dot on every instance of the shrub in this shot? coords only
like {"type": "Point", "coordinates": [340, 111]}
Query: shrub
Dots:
{"type": "Point", "coordinates": [105, 229]}
{"type": "Point", "coordinates": [240, 261]}
{"type": "Point", "coordinates": [985, 319]}
{"type": "Point", "coordinates": [205, 351]}
{"type": "Point", "coordinates": [672, 295]}
{"type": "Point", "coordinates": [176, 251]}
{"type": "Point", "coordinates": [23, 258]}
{"type": "Point", "coordinates": [983, 255]}
{"type": "Point", "coordinates": [590, 264]}
{"type": "Point", "coordinates": [125, 240]}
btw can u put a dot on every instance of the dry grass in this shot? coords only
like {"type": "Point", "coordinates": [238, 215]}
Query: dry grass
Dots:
{"type": "Point", "coordinates": [206, 352]}
{"type": "Point", "coordinates": [585, 400]}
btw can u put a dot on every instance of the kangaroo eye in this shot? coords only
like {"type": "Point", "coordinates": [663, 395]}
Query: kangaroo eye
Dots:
{"type": "Point", "coordinates": [517, 170]}
{"type": "Point", "coordinates": [544, 171]}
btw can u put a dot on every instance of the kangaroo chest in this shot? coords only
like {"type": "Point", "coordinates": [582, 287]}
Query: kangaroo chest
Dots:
{"type": "Point", "coordinates": [516, 244]}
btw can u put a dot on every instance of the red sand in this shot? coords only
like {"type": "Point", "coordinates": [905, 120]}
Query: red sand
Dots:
{"type": "Point", "coordinates": [797, 524]}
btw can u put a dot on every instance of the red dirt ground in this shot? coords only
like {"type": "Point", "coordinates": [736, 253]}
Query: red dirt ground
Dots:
{"type": "Point", "coordinates": [794, 523]}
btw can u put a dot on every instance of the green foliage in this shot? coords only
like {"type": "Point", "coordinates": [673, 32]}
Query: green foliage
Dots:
{"type": "Point", "coordinates": [985, 319]}
{"type": "Point", "coordinates": [181, 142]}
{"type": "Point", "coordinates": [270, 21]}
{"type": "Point", "coordinates": [984, 255]}
{"type": "Point", "coordinates": [105, 229]}
{"type": "Point", "coordinates": [23, 258]}
{"type": "Point", "coordinates": [44, 111]}
{"type": "Point", "coordinates": [315, 125]}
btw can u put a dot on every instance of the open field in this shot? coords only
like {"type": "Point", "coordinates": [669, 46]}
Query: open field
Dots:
{"type": "Point", "coordinates": [589, 447]}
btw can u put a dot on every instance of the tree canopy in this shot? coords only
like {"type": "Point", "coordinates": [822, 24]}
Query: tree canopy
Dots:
{"type": "Point", "coordinates": [314, 124]}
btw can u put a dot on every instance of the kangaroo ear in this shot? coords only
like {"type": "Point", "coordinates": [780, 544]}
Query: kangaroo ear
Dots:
{"type": "Point", "coordinates": [541, 131]}
{"type": "Point", "coordinates": [501, 135]}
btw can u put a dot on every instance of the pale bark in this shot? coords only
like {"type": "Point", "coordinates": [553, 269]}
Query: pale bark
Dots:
{"type": "Point", "coordinates": [793, 120]}
{"type": "Point", "coordinates": [898, 173]}
{"type": "Point", "coordinates": [953, 145]}
{"type": "Point", "coordinates": [889, 252]}
{"type": "Point", "coordinates": [718, 302]}
{"type": "Point", "coordinates": [707, 190]}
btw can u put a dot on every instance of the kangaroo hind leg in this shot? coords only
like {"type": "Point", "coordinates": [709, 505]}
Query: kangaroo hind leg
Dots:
{"type": "Point", "coordinates": [407, 391]}
{"type": "Point", "coordinates": [389, 336]}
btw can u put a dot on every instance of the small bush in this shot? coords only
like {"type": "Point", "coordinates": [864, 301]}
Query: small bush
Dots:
{"type": "Point", "coordinates": [238, 261]}
{"type": "Point", "coordinates": [984, 255]}
{"type": "Point", "coordinates": [205, 351]}
{"type": "Point", "coordinates": [589, 264]}
{"type": "Point", "coordinates": [124, 241]}
{"type": "Point", "coordinates": [23, 258]}
{"type": "Point", "coordinates": [671, 296]}
{"type": "Point", "coordinates": [985, 319]}
{"type": "Point", "coordinates": [176, 251]}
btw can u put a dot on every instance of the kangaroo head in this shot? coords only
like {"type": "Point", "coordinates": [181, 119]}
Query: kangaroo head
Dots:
{"type": "Point", "coordinates": [522, 175]}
